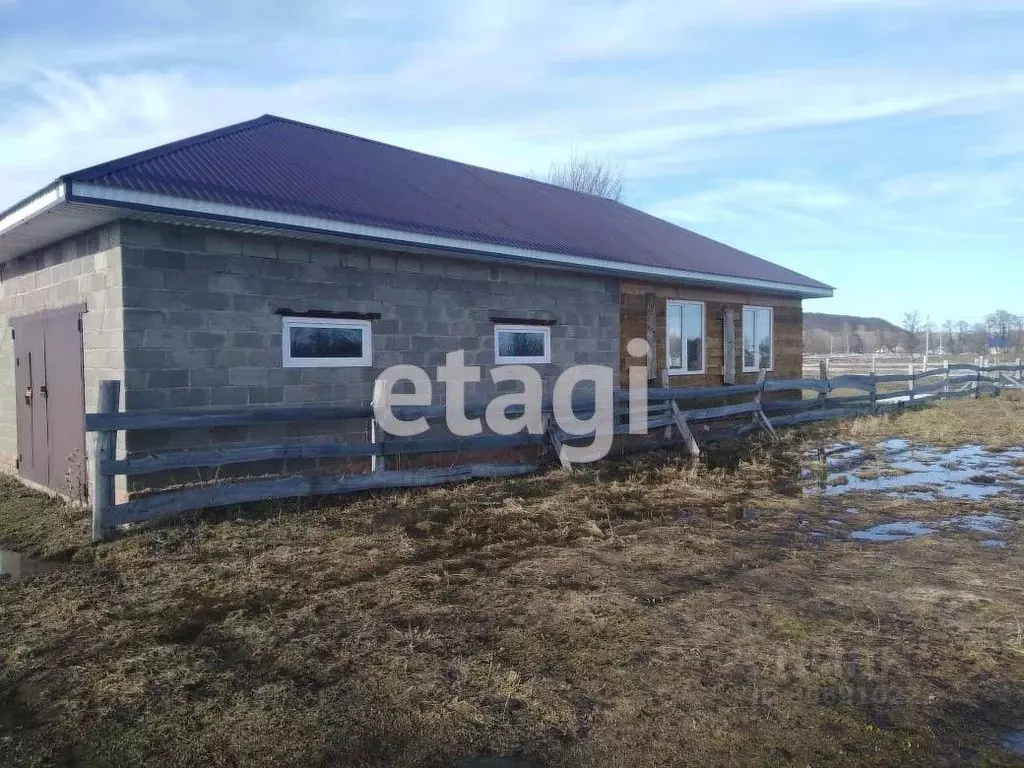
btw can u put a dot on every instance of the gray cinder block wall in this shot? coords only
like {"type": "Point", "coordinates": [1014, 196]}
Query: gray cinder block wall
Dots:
{"type": "Point", "coordinates": [189, 316]}
{"type": "Point", "coordinates": [201, 322]}
{"type": "Point", "coordinates": [85, 270]}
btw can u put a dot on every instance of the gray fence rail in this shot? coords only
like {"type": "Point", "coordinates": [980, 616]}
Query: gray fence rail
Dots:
{"type": "Point", "coordinates": [885, 363]}
{"type": "Point", "coordinates": [666, 409]}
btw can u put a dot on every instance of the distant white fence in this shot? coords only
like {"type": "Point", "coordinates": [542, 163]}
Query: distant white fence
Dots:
{"type": "Point", "coordinates": [852, 364]}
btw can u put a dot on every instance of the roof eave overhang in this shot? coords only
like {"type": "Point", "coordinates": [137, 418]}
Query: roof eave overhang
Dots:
{"type": "Point", "coordinates": [42, 201]}
{"type": "Point", "coordinates": [45, 218]}
{"type": "Point", "coordinates": [241, 217]}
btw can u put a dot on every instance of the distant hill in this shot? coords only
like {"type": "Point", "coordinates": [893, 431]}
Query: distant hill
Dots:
{"type": "Point", "coordinates": [819, 321]}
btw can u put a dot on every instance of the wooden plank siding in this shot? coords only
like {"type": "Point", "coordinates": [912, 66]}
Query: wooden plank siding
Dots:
{"type": "Point", "coordinates": [787, 330]}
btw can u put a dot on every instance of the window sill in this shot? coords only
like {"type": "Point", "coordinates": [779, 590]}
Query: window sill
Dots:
{"type": "Point", "coordinates": [326, 362]}
{"type": "Point", "coordinates": [681, 372]}
{"type": "Point", "coordinates": [521, 361]}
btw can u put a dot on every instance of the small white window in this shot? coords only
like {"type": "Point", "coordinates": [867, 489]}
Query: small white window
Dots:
{"type": "Point", "coordinates": [308, 342]}
{"type": "Point", "coordinates": [684, 321]}
{"type": "Point", "coordinates": [757, 339]}
{"type": "Point", "coordinates": [522, 344]}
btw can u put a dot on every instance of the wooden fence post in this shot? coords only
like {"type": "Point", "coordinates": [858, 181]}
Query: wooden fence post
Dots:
{"type": "Point", "coordinates": [551, 430]}
{"type": "Point", "coordinates": [874, 391]}
{"type": "Point", "coordinates": [913, 386]}
{"type": "Point", "coordinates": [729, 347]}
{"type": "Point", "coordinates": [684, 429]}
{"type": "Point", "coordinates": [759, 415]}
{"type": "Point", "coordinates": [977, 380]}
{"type": "Point", "coordinates": [945, 385]}
{"type": "Point", "coordinates": [106, 448]}
{"type": "Point", "coordinates": [651, 334]}
{"type": "Point", "coordinates": [665, 385]}
{"type": "Point", "coordinates": [1020, 370]}
{"type": "Point", "coordinates": [823, 376]}
{"type": "Point", "coordinates": [377, 462]}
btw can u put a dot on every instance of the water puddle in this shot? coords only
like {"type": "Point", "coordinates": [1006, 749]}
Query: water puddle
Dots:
{"type": "Point", "coordinates": [990, 523]}
{"type": "Point", "coordinates": [1013, 742]}
{"type": "Point", "coordinates": [896, 445]}
{"type": "Point", "coordinates": [904, 470]}
{"type": "Point", "coordinates": [14, 566]}
{"type": "Point", "coordinates": [901, 530]}
{"type": "Point", "coordinates": [845, 458]}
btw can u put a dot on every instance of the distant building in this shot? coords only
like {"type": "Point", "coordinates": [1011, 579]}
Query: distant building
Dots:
{"type": "Point", "coordinates": [999, 345]}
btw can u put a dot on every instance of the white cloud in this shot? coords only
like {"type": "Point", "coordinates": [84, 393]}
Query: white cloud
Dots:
{"type": "Point", "coordinates": [509, 85]}
{"type": "Point", "coordinates": [741, 211]}
{"type": "Point", "coordinates": [819, 133]}
{"type": "Point", "coordinates": [69, 121]}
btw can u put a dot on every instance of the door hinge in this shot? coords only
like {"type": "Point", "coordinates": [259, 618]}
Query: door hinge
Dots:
{"type": "Point", "coordinates": [17, 462]}
{"type": "Point", "coordinates": [79, 325]}
{"type": "Point", "coordinates": [12, 333]}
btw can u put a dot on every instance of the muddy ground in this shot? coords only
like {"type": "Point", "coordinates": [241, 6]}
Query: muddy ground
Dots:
{"type": "Point", "coordinates": [833, 600]}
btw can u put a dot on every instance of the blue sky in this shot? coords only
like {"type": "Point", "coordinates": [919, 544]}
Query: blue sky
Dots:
{"type": "Point", "coordinates": [877, 145]}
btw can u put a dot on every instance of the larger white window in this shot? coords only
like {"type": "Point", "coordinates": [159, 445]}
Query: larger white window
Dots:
{"type": "Point", "coordinates": [522, 344]}
{"type": "Point", "coordinates": [686, 351]}
{"type": "Point", "coordinates": [308, 342]}
{"type": "Point", "coordinates": [757, 339]}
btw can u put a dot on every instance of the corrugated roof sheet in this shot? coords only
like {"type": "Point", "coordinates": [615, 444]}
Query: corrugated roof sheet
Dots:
{"type": "Point", "coordinates": [281, 165]}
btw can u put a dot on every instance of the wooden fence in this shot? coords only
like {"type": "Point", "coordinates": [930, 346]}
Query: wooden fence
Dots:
{"type": "Point", "coordinates": [666, 409]}
{"type": "Point", "coordinates": [893, 363]}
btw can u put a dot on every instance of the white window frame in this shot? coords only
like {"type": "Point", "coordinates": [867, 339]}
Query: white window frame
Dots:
{"type": "Point", "coordinates": [512, 360]}
{"type": "Point", "coordinates": [743, 336]}
{"type": "Point", "coordinates": [287, 323]}
{"type": "Point", "coordinates": [703, 337]}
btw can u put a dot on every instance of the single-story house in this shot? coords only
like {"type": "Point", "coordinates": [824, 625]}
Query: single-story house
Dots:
{"type": "Point", "coordinates": [999, 345]}
{"type": "Point", "coordinates": [278, 262]}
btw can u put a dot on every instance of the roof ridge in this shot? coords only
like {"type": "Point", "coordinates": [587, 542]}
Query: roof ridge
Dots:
{"type": "Point", "coordinates": [438, 196]}
{"type": "Point", "coordinates": [122, 163]}
{"type": "Point", "coordinates": [378, 142]}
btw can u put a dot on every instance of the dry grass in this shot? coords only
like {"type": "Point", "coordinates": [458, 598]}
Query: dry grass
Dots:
{"type": "Point", "coordinates": [646, 613]}
{"type": "Point", "coordinates": [996, 422]}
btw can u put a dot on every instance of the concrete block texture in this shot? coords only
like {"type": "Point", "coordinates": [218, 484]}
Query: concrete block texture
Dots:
{"type": "Point", "coordinates": [228, 300]}
{"type": "Point", "coordinates": [225, 293]}
{"type": "Point", "coordinates": [194, 315]}
{"type": "Point", "coordinates": [84, 270]}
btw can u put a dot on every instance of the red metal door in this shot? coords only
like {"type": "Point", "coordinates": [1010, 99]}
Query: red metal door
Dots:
{"type": "Point", "coordinates": [29, 376]}
{"type": "Point", "coordinates": [65, 403]}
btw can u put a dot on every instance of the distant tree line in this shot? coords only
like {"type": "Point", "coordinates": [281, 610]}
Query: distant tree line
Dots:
{"type": "Point", "coordinates": [1001, 332]}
